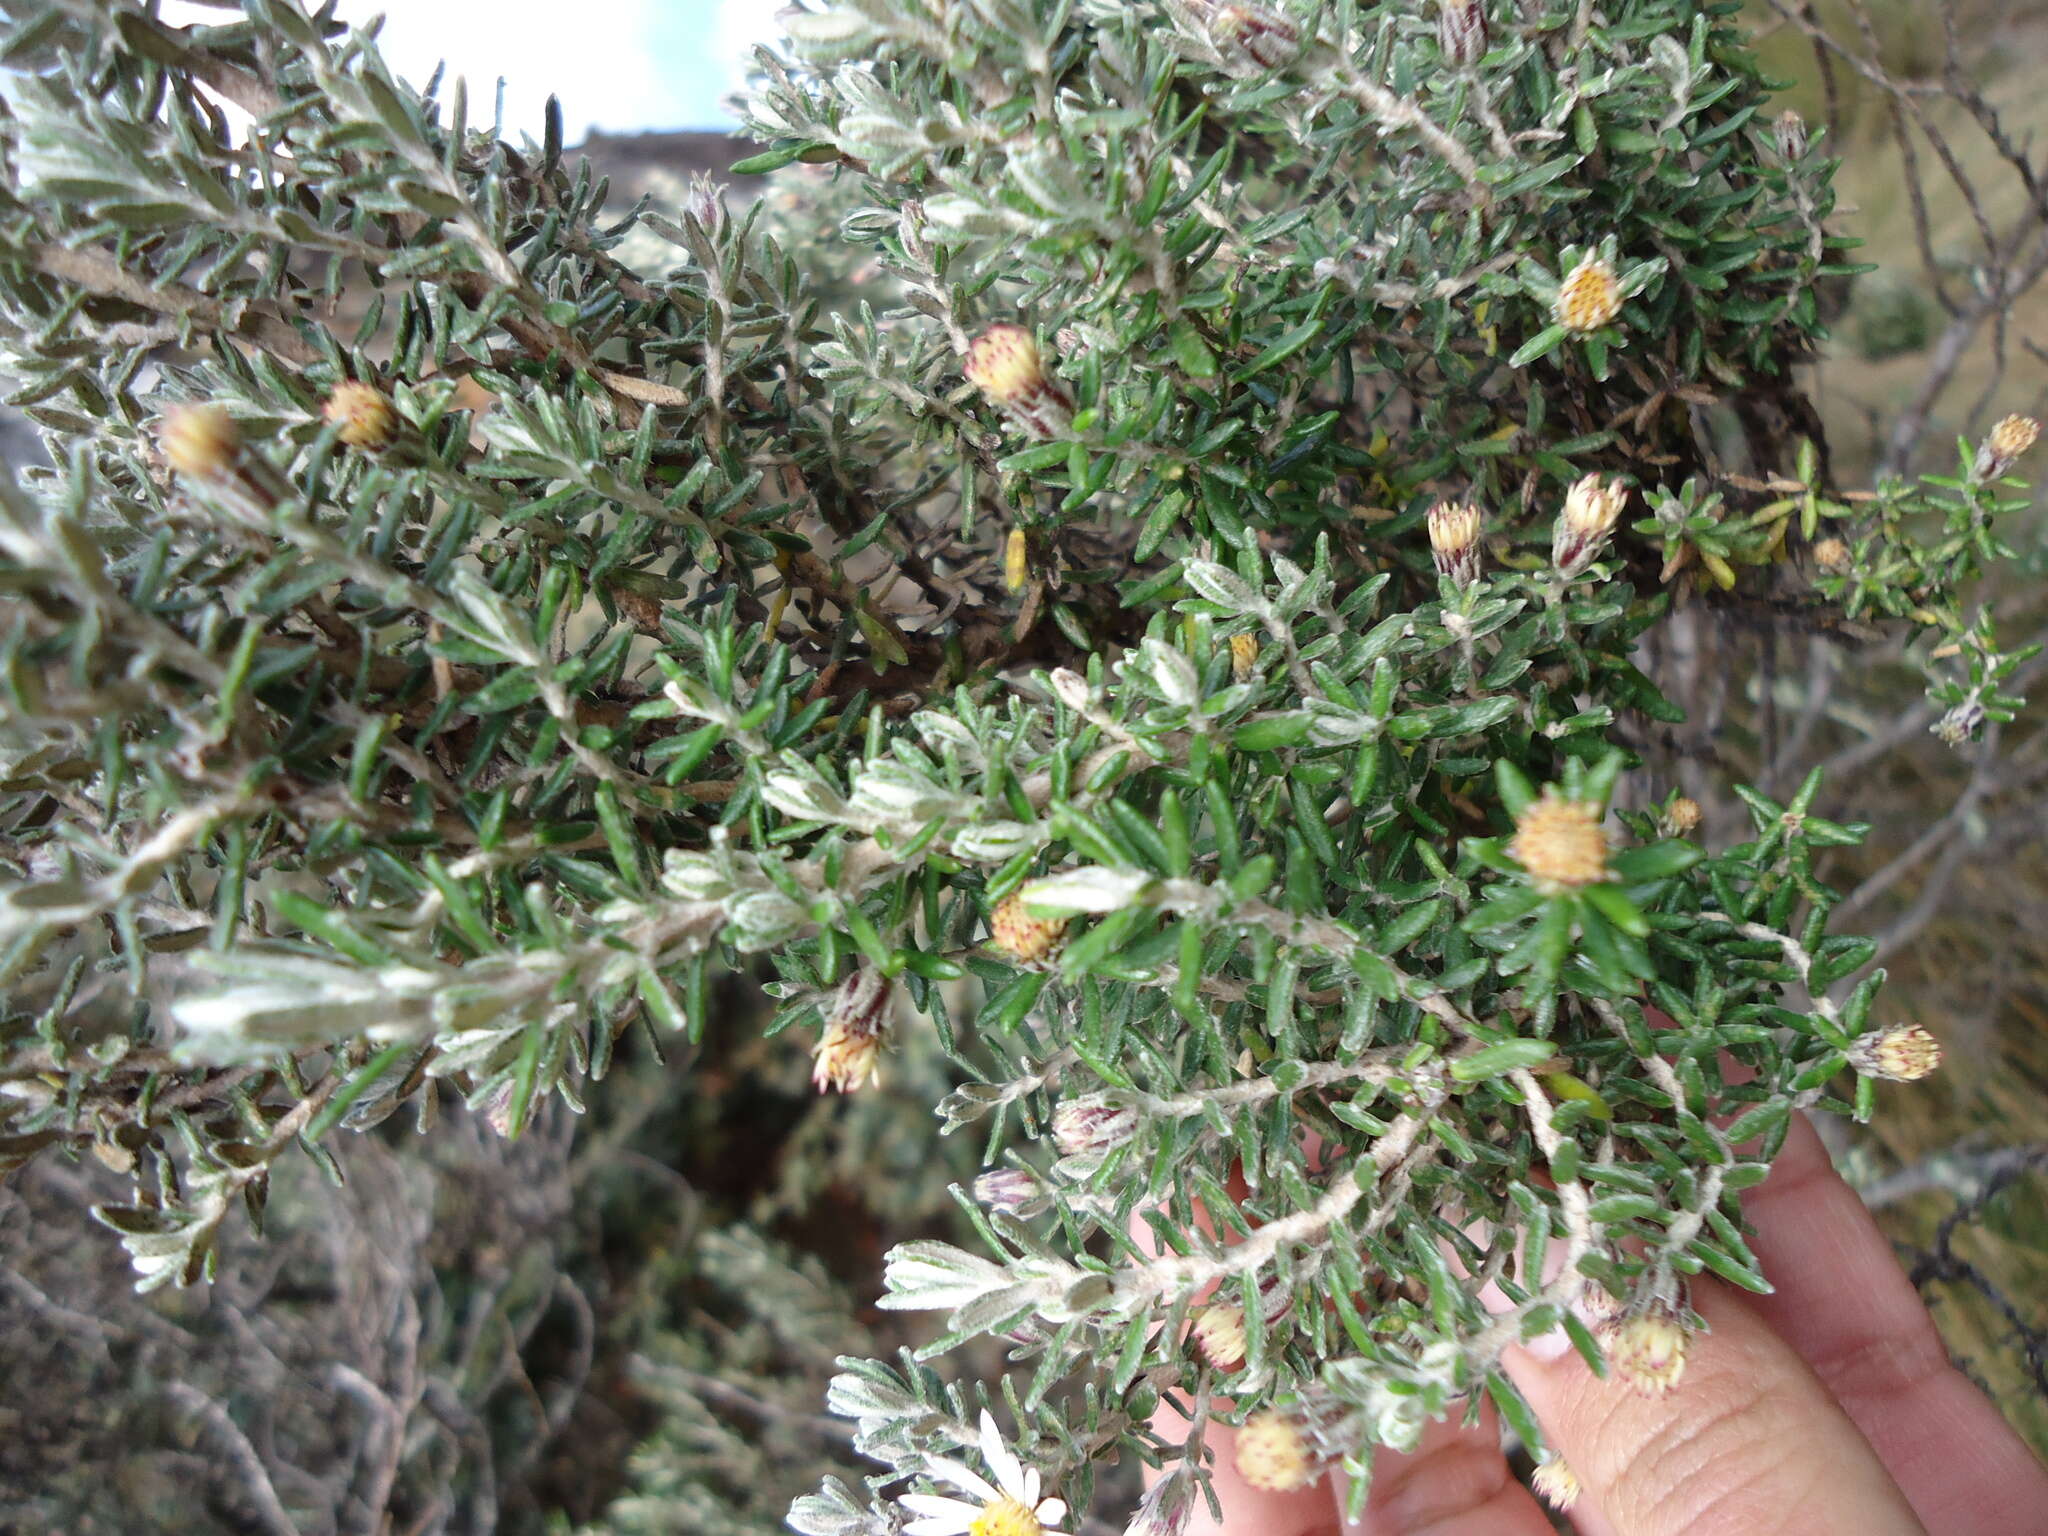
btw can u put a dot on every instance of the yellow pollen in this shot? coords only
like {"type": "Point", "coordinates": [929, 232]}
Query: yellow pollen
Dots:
{"type": "Point", "coordinates": [200, 441]}
{"type": "Point", "coordinates": [1557, 1483]}
{"type": "Point", "coordinates": [1647, 1354]}
{"type": "Point", "coordinates": [1272, 1456]}
{"type": "Point", "coordinates": [1218, 1332]}
{"type": "Point", "coordinates": [1681, 817]}
{"type": "Point", "coordinates": [1452, 527]}
{"type": "Point", "coordinates": [1905, 1053]}
{"type": "Point", "coordinates": [1013, 930]}
{"type": "Point", "coordinates": [1005, 1517]}
{"type": "Point", "coordinates": [1589, 297]}
{"type": "Point", "coordinates": [1592, 507]}
{"type": "Point", "coordinates": [364, 414]}
{"type": "Point", "coordinates": [1560, 842]}
{"type": "Point", "coordinates": [1454, 541]}
{"type": "Point", "coordinates": [2014, 436]}
{"type": "Point", "coordinates": [846, 1058]}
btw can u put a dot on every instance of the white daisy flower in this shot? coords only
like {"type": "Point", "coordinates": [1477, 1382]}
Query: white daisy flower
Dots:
{"type": "Point", "coordinates": [1010, 1506]}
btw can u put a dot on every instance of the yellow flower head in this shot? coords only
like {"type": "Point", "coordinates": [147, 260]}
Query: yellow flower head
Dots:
{"type": "Point", "coordinates": [1591, 509]}
{"type": "Point", "coordinates": [1647, 1353]}
{"type": "Point", "coordinates": [1454, 541]}
{"type": "Point", "coordinates": [1005, 1516]}
{"type": "Point", "coordinates": [1003, 363]}
{"type": "Point", "coordinates": [200, 442]}
{"type": "Point", "coordinates": [1244, 657]}
{"type": "Point", "coordinates": [364, 414]}
{"type": "Point", "coordinates": [1218, 1333]}
{"type": "Point", "coordinates": [1015, 932]}
{"type": "Point", "coordinates": [1005, 1502]}
{"type": "Point", "coordinates": [1905, 1053]}
{"type": "Point", "coordinates": [1560, 842]}
{"type": "Point", "coordinates": [1273, 1454]}
{"type": "Point", "coordinates": [1832, 556]}
{"type": "Point", "coordinates": [1589, 297]}
{"type": "Point", "coordinates": [849, 1053]}
{"type": "Point", "coordinates": [1557, 1483]}
{"type": "Point", "coordinates": [1681, 817]}
{"type": "Point", "coordinates": [2008, 440]}
{"type": "Point", "coordinates": [2015, 435]}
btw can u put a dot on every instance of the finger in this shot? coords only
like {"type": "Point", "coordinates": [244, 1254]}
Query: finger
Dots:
{"type": "Point", "coordinates": [1455, 1483]}
{"type": "Point", "coordinates": [1252, 1511]}
{"type": "Point", "coordinates": [1845, 1305]}
{"type": "Point", "coordinates": [1248, 1510]}
{"type": "Point", "coordinates": [1750, 1443]}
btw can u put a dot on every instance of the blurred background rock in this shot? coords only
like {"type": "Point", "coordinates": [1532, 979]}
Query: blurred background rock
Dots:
{"type": "Point", "coordinates": [625, 1325]}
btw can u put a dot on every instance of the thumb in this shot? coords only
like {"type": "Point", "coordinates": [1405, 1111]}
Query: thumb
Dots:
{"type": "Point", "coordinates": [1748, 1443]}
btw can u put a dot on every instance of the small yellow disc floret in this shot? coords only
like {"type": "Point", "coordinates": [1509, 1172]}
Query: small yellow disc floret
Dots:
{"type": "Point", "coordinates": [1560, 842]}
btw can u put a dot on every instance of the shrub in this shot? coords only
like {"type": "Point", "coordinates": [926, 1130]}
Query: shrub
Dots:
{"type": "Point", "coordinates": [1167, 621]}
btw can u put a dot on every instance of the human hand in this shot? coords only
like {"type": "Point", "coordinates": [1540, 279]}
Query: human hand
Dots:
{"type": "Point", "coordinates": [1828, 1408]}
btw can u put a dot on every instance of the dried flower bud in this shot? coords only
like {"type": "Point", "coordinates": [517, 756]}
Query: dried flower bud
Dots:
{"type": "Point", "coordinates": [1267, 40]}
{"type": "Point", "coordinates": [1003, 363]}
{"type": "Point", "coordinates": [1959, 725]}
{"type": "Point", "coordinates": [364, 414]}
{"type": "Point", "coordinates": [1165, 1508]}
{"type": "Point", "coordinates": [856, 1026]}
{"type": "Point", "coordinates": [1218, 1335]}
{"type": "Point", "coordinates": [1560, 842]}
{"type": "Point", "coordinates": [1681, 817]}
{"type": "Point", "coordinates": [1015, 932]}
{"type": "Point", "coordinates": [1589, 297]}
{"type": "Point", "coordinates": [1091, 1125]}
{"type": "Point", "coordinates": [1244, 657]}
{"type": "Point", "coordinates": [1276, 1299]}
{"type": "Point", "coordinates": [1461, 31]}
{"type": "Point", "coordinates": [640, 609]}
{"type": "Point", "coordinates": [1790, 133]}
{"type": "Point", "coordinates": [1273, 1454]}
{"type": "Point", "coordinates": [1072, 688]}
{"type": "Point", "coordinates": [1905, 1053]}
{"type": "Point", "coordinates": [494, 1107]}
{"type": "Point", "coordinates": [1011, 1191]}
{"type": "Point", "coordinates": [1596, 1305]}
{"type": "Point", "coordinates": [1591, 509]}
{"type": "Point", "coordinates": [1454, 541]}
{"type": "Point", "coordinates": [2008, 440]}
{"type": "Point", "coordinates": [1831, 555]}
{"type": "Point", "coordinates": [1647, 1352]}
{"type": "Point", "coordinates": [704, 201]}
{"type": "Point", "coordinates": [1557, 1484]}
{"type": "Point", "coordinates": [1016, 560]}
{"type": "Point", "coordinates": [201, 442]}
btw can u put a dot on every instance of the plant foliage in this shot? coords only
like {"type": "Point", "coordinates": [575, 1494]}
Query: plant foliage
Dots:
{"type": "Point", "coordinates": [1100, 540]}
